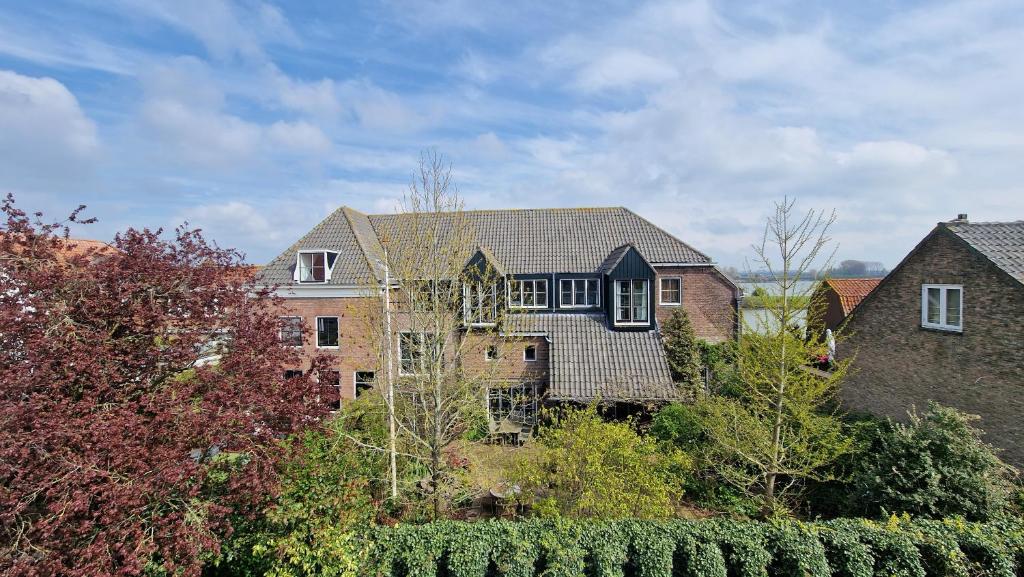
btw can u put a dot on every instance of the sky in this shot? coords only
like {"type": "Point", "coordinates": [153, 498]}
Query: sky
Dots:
{"type": "Point", "coordinates": [254, 120]}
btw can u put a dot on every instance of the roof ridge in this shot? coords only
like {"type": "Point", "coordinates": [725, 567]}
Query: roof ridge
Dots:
{"type": "Point", "coordinates": [543, 209]}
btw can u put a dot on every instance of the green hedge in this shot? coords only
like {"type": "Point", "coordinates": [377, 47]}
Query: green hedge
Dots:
{"type": "Point", "coordinates": [709, 548]}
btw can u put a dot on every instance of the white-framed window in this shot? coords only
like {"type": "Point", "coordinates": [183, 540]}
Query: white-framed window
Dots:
{"type": "Point", "coordinates": [362, 381]}
{"type": "Point", "coordinates": [670, 291]}
{"type": "Point", "coordinates": [313, 266]}
{"type": "Point", "coordinates": [578, 293]}
{"type": "Point", "coordinates": [491, 353]}
{"type": "Point", "coordinates": [291, 331]}
{"type": "Point", "coordinates": [480, 303]}
{"type": "Point", "coordinates": [942, 306]}
{"type": "Point", "coordinates": [412, 351]}
{"type": "Point", "coordinates": [530, 353]}
{"type": "Point", "coordinates": [327, 332]}
{"type": "Point", "coordinates": [330, 388]}
{"type": "Point", "coordinates": [528, 293]}
{"type": "Point", "coordinates": [631, 302]}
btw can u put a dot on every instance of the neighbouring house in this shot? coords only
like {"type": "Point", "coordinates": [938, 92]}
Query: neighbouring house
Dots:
{"type": "Point", "coordinates": [833, 300]}
{"type": "Point", "coordinates": [945, 325]}
{"type": "Point", "coordinates": [591, 287]}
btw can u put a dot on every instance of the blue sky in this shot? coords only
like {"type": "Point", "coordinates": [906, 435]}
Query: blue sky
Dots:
{"type": "Point", "coordinates": [254, 120]}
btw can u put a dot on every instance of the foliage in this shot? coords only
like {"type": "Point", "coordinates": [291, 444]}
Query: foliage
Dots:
{"type": "Point", "coordinates": [770, 439]}
{"type": "Point", "coordinates": [330, 489]}
{"type": "Point", "coordinates": [120, 451]}
{"type": "Point", "coordinates": [583, 466]}
{"type": "Point", "coordinates": [934, 466]}
{"type": "Point", "coordinates": [681, 349]}
{"type": "Point", "coordinates": [710, 548]}
{"type": "Point", "coordinates": [772, 433]}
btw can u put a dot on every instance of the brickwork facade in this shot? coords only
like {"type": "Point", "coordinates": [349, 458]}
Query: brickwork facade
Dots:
{"type": "Point", "coordinates": [898, 364]}
{"type": "Point", "coordinates": [708, 298]}
{"type": "Point", "coordinates": [510, 364]}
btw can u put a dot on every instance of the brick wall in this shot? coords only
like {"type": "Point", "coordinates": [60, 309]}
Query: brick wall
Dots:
{"type": "Point", "coordinates": [510, 365]}
{"type": "Point", "coordinates": [355, 352]}
{"type": "Point", "coordinates": [708, 299]}
{"type": "Point", "coordinates": [897, 363]}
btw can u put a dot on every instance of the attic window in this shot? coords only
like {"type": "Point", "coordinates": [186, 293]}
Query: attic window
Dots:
{"type": "Point", "coordinates": [315, 266]}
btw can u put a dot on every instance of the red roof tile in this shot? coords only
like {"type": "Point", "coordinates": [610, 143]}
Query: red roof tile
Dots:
{"type": "Point", "coordinates": [852, 290]}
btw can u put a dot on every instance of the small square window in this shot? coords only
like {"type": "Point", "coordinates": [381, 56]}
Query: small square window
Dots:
{"type": "Point", "coordinates": [530, 353]}
{"type": "Point", "coordinates": [492, 353]}
{"type": "Point", "coordinates": [327, 332]}
{"type": "Point", "coordinates": [671, 291]}
{"type": "Point", "coordinates": [942, 307]}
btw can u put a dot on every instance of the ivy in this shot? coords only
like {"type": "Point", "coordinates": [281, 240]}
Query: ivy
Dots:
{"type": "Point", "coordinates": [707, 548]}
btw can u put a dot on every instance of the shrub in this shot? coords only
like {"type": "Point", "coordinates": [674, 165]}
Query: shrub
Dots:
{"type": "Point", "coordinates": [935, 466]}
{"type": "Point", "coordinates": [681, 349]}
{"type": "Point", "coordinates": [582, 466]}
{"type": "Point", "coordinates": [710, 548]}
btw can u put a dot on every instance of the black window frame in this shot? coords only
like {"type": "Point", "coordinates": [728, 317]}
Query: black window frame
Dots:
{"type": "Point", "coordinates": [290, 336]}
{"type": "Point", "coordinates": [321, 328]}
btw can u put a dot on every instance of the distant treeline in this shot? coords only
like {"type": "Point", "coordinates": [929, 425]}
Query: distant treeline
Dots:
{"type": "Point", "coordinates": [846, 269]}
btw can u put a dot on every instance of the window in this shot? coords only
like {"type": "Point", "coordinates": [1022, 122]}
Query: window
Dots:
{"type": "Point", "coordinates": [578, 292]}
{"type": "Point", "coordinates": [330, 388]}
{"type": "Point", "coordinates": [315, 266]}
{"type": "Point", "coordinates": [530, 353]}
{"type": "Point", "coordinates": [491, 354]}
{"type": "Point", "coordinates": [528, 294]}
{"type": "Point", "coordinates": [363, 382]}
{"type": "Point", "coordinates": [631, 302]}
{"type": "Point", "coordinates": [671, 291]}
{"type": "Point", "coordinates": [518, 403]}
{"type": "Point", "coordinates": [480, 303]}
{"type": "Point", "coordinates": [942, 306]}
{"type": "Point", "coordinates": [291, 331]}
{"type": "Point", "coordinates": [412, 350]}
{"type": "Point", "coordinates": [327, 331]}
{"type": "Point", "coordinates": [292, 374]}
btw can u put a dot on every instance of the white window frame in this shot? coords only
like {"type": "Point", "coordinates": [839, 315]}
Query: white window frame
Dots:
{"type": "Point", "coordinates": [469, 307]}
{"type": "Point", "coordinates": [942, 325]}
{"type": "Point", "coordinates": [615, 304]}
{"type": "Point", "coordinates": [534, 359]}
{"type": "Point", "coordinates": [661, 291]}
{"type": "Point", "coordinates": [280, 331]}
{"type": "Point", "coordinates": [355, 381]}
{"type": "Point", "coordinates": [572, 283]}
{"type": "Point", "coordinates": [534, 282]}
{"type": "Point", "coordinates": [328, 347]}
{"type": "Point", "coordinates": [423, 339]}
{"type": "Point", "coordinates": [328, 267]}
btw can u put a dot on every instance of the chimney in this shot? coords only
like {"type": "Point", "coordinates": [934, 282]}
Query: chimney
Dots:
{"type": "Point", "coordinates": [962, 218]}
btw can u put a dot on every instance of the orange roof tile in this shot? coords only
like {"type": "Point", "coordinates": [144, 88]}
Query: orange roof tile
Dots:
{"type": "Point", "coordinates": [852, 290]}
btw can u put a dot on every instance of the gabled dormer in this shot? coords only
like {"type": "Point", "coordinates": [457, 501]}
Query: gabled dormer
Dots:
{"type": "Point", "coordinates": [314, 266]}
{"type": "Point", "coordinates": [629, 284]}
{"type": "Point", "coordinates": [482, 287]}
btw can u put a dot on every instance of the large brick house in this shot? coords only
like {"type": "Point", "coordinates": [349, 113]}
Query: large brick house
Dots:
{"type": "Point", "coordinates": [945, 325]}
{"type": "Point", "coordinates": [599, 281]}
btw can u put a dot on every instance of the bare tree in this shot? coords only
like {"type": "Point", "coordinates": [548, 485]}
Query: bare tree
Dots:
{"type": "Point", "coordinates": [445, 307]}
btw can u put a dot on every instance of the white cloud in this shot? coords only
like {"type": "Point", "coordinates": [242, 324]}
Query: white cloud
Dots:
{"type": "Point", "coordinates": [44, 134]}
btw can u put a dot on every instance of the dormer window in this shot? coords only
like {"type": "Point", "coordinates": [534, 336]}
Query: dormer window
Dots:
{"type": "Point", "coordinates": [315, 266]}
{"type": "Point", "coordinates": [631, 302]}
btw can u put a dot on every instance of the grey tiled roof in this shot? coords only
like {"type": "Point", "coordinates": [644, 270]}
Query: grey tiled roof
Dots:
{"type": "Point", "coordinates": [589, 361]}
{"type": "Point", "coordinates": [561, 240]}
{"type": "Point", "coordinates": [1000, 242]}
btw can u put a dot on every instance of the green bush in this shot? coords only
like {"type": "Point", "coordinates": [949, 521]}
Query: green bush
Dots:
{"type": "Point", "coordinates": [936, 466]}
{"type": "Point", "coordinates": [584, 467]}
{"type": "Point", "coordinates": [710, 548]}
{"type": "Point", "coordinates": [682, 350]}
